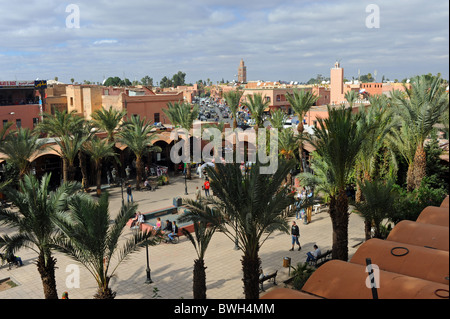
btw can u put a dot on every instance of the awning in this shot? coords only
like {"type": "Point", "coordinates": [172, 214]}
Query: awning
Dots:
{"type": "Point", "coordinates": [54, 149]}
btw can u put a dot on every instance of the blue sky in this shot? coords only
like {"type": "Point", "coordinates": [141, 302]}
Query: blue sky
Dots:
{"type": "Point", "coordinates": [278, 40]}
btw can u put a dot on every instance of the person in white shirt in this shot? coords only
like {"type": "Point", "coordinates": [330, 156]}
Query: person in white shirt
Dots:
{"type": "Point", "coordinates": [312, 255]}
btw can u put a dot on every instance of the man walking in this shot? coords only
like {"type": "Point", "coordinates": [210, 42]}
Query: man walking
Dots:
{"type": "Point", "coordinates": [206, 187]}
{"type": "Point", "coordinates": [295, 233]}
{"type": "Point", "coordinates": [129, 194]}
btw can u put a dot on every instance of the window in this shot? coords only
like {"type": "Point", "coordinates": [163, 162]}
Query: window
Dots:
{"type": "Point", "coordinates": [18, 123]}
{"type": "Point", "coordinates": [35, 121]}
{"type": "Point", "coordinates": [5, 122]}
{"type": "Point", "coordinates": [157, 117]}
{"type": "Point", "coordinates": [268, 98]}
{"type": "Point", "coordinates": [71, 101]}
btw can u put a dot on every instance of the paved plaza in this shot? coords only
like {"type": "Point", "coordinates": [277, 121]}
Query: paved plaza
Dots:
{"type": "Point", "coordinates": [172, 265]}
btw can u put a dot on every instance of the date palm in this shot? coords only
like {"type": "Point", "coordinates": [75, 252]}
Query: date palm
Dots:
{"type": "Point", "coordinates": [351, 97]}
{"type": "Point", "coordinates": [203, 235]}
{"type": "Point", "coordinates": [89, 238]}
{"type": "Point", "coordinates": [379, 116]}
{"type": "Point", "coordinates": [99, 150]}
{"type": "Point", "coordinates": [301, 102]}
{"type": "Point", "coordinates": [138, 136]}
{"type": "Point", "coordinates": [233, 99]}
{"type": "Point", "coordinates": [256, 104]}
{"type": "Point", "coordinates": [182, 115]}
{"type": "Point", "coordinates": [65, 128]}
{"type": "Point", "coordinates": [401, 140]}
{"type": "Point", "coordinates": [32, 220]}
{"type": "Point", "coordinates": [18, 147]}
{"type": "Point", "coordinates": [378, 202]}
{"type": "Point", "coordinates": [288, 143]}
{"type": "Point", "coordinates": [421, 107]}
{"type": "Point", "coordinates": [277, 119]}
{"type": "Point", "coordinates": [108, 120]}
{"type": "Point", "coordinates": [338, 140]}
{"type": "Point", "coordinates": [247, 208]}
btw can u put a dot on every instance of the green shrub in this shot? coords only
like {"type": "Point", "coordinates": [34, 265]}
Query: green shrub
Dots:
{"type": "Point", "coordinates": [409, 205]}
{"type": "Point", "coordinates": [301, 274]}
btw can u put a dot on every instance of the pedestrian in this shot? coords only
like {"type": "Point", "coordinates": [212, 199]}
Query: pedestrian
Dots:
{"type": "Point", "coordinates": [295, 233]}
{"type": "Point", "coordinates": [128, 171]}
{"type": "Point", "coordinates": [198, 194]}
{"type": "Point", "coordinates": [129, 194]}
{"type": "Point", "coordinates": [114, 175]}
{"type": "Point", "coordinates": [309, 208]}
{"type": "Point", "coordinates": [312, 255]}
{"type": "Point", "coordinates": [65, 295]}
{"type": "Point", "coordinates": [206, 186]}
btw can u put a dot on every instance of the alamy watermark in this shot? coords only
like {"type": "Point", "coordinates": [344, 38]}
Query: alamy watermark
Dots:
{"type": "Point", "coordinates": [373, 19]}
{"type": "Point", "coordinates": [73, 19]}
{"type": "Point", "coordinates": [262, 144]}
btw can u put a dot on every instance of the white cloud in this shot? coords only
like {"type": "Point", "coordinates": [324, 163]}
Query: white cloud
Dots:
{"type": "Point", "coordinates": [105, 41]}
{"type": "Point", "coordinates": [277, 39]}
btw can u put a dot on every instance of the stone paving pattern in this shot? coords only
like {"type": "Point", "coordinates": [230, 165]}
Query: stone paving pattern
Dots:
{"type": "Point", "coordinates": [172, 265]}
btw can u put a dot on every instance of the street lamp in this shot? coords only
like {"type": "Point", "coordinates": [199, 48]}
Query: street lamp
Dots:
{"type": "Point", "coordinates": [185, 179]}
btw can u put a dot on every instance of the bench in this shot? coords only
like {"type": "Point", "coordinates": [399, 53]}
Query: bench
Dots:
{"type": "Point", "coordinates": [272, 277]}
{"type": "Point", "coordinates": [321, 259]}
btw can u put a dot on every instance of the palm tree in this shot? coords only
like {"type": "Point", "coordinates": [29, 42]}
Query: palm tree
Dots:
{"type": "Point", "coordinates": [138, 136]}
{"type": "Point", "coordinates": [338, 140]}
{"type": "Point", "coordinates": [87, 132]}
{"type": "Point", "coordinates": [401, 139]}
{"type": "Point", "coordinates": [18, 147]}
{"type": "Point", "coordinates": [351, 97]}
{"type": "Point", "coordinates": [89, 238]}
{"type": "Point", "coordinates": [380, 117]}
{"type": "Point", "coordinates": [181, 114]}
{"type": "Point", "coordinates": [65, 128]}
{"type": "Point", "coordinates": [98, 150]}
{"type": "Point", "coordinates": [288, 143]}
{"type": "Point", "coordinates": [420, 107]}
{"type": "Point", "coordinates": [203, 235]}
{"type": "Point", "coordinates": [378, 202]}
{"type": "Point", "coordinates": [277, 119]}
{"type": "Point", "coordinates": [257, 104]}
{"type": "Point", "coordinates": [247, 208]}
{"type": "Point", "coordinates": [36, 207]}
{"type": "Point", "coordinates": [301, 102]}
{"type": "Point", "coordinates": [233, 99]}
{"type": "Point", "coordinates": [108, 120]}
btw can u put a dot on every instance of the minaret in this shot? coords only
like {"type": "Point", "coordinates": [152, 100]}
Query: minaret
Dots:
{"type": "Point", "coordinates": [242, 72]}
{"type": "Point", "coordinates": [337, 84]}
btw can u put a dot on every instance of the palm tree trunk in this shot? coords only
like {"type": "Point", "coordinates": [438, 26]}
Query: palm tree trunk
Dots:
{"type": "Point", "coordinates": [420, 165]}
{"type": "Point", "coordinates": [84, 179]}
{"type": "Point", "coordinates": [104, 293]}
{"type": "Point", "coordinates": [47, 272]}
{"type": "Point", "coordinates": [199, 285]}
{"type": "Point", "coordinates": [367, 229]}
{"type": "Point", "coordinates": [300, 129]}
{"type": "Point", "coordinates": [138, 172]}
{"type": "Point", "coordinates": [339, 220]}
{"type": "Point", "coordinates": [65, 170]}
{"type": "Point", "coordinates": [250, 267]}
{"type": "Point", "coordinates": [98, 166]}
{"type": "Point", "coordinates": [410, 178]}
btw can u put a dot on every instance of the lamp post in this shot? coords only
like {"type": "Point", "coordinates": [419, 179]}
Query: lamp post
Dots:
{"type": "Point", "coordinates": [185, 179]}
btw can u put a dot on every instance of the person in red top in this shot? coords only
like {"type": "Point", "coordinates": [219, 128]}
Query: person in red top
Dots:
{"type": "Point", "coordinates": [206, 187]}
